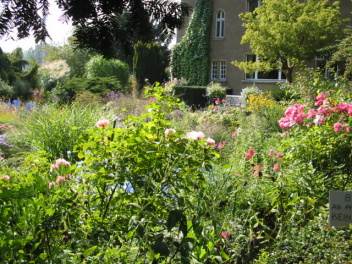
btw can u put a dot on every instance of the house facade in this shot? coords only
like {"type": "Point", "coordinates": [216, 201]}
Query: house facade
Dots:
{"type": "Point", "coordinates": [225, 45]}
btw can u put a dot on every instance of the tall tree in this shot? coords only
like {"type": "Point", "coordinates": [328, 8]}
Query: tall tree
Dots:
{"type": "Point", "coordinates": [286, 33]}
{"type": "Point", "coordinates": [100, 25]}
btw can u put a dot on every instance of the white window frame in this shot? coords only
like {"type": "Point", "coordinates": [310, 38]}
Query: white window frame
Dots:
{"type": "Point", "coordinates": [256, 74]}
{"type": "Point", "coordinates": [249, 4]}
{"type": "Point", "coordinates": [220, 24]}
{"type": "Point", "coordinates": [218, 70]}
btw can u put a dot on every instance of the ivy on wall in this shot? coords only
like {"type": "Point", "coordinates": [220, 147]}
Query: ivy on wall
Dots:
{"type": "Point", "coordinates": [190, 57]}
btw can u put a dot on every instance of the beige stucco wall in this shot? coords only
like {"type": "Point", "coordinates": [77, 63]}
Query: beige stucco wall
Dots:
{"type": "Point", "coordinates": [229, 47]}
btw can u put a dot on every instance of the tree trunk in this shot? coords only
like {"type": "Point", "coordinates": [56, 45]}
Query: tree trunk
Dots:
{"type": "Point", "coordinates": [289, 75]}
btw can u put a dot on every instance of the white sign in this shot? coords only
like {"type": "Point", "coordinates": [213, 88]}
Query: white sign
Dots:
{"type": "Point", "coordinates": [340, 205]}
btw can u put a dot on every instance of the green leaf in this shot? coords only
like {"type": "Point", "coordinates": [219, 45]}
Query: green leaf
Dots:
{"type": "Point", "coordinates": [89, 251]}
{"type": "Point", "coordinates": [161, 248]}
{"type": "Point", "coordinates": [175, 216]}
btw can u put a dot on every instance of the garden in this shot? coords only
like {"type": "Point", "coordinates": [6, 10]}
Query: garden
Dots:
{"type": "Point", "coordinates": [117, 178]}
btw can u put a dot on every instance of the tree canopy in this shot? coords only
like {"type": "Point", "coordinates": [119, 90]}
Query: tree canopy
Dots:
{"type": "Point", "coordinates": [286, 33]}
{"type": "Point", "coordinates": [100, 25]}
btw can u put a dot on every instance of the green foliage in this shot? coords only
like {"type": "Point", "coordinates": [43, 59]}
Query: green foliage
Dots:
{"type": "Point", "coordinates": [315, 243]}
{"type": "Point", "coordinates": [147, 63]}
{"type": "Point", "coordinates": [194, 96]}
{"type": "Point", "coordinates": [190, 57]}
{"type": "Point", "coordinates": [98, 66]}
{"type": "Point", "coordinates": [56, 130]}
{"type": "Point", "coordinates": [141, 190]}
{"type": "Point", "coordinates": [216, 90]}
{"type": "Point", "coordinates": [286, 33]}
{"type": "Point", "coordinates": [75, 58]}
{"type": "Point", "coordinates": [246, 92]}
{"type": "Point", "coordinates": [98, 85]}
{"type": "Point", "coordinates": [6, 90]}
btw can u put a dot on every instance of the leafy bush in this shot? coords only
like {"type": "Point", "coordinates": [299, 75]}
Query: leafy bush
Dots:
{"type": "Point", "coordinates": [194, 96]}
{"type": "Point", "coordinates": [215, 90]}
{"type": "Point", "coordinates": [98, 66]}
{"type": "Point", "coordinates": [56, 130]}
{"type": "Point", "coordinates": [99, 86]}
{"type": "Point", "coordinates": [249, 90]}
{"type": "Point", "coordinates": [6, 91]}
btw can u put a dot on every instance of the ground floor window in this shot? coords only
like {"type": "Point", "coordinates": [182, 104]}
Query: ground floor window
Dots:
{"type": "Point", "coordinates": [272, 75]}
{"type": "Point", "coordinates": [337, 69]}
{"type": "Point", "coordinates": [218, 70]}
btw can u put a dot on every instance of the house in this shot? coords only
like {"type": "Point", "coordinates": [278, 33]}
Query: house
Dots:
{"type": "Point", "coordinates": [225, 46]}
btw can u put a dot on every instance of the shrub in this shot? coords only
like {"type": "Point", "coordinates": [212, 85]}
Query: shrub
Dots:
{"type": "Point", "coordinates": [216, 90]}
{"type": "Point", "coordinates": [194, 96]}
{"type": "Point", "coordinates": [6, 91]}
{"type": "Point", "coordinates": [249, 90]}
{"type": "Point", "coordinates": [99, 86]}
{"type": "Point", "coordinates": [98, 66]}
{"type": "Point", "coordinates": [147, 64]}
{"type": "Point", "coordinates": [56, 130]}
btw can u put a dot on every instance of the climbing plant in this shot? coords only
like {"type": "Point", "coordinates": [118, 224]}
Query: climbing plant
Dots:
{"type": "Point", "coordinates": [189, 58]}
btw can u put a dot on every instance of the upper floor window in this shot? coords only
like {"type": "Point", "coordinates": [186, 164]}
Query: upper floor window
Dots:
{"type": "Point", "coordinates": [218, 70]}
{"type": "Point", "coordinates": [257, 75]}
{"type": "Point", "coordinates": [253, 4]}
{"type": "Point", "coordinates": [220, 24]}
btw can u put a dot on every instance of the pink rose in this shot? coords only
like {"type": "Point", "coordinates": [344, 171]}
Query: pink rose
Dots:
{"type": "Point", "coordinates": [102, 123]}
{"type": "Point", "coordinates": [5, 178]}
{"type": "Point", "coordinates": [250, 153]}
{"type": "Point", "coordinates": [272, 153]}
{"type": "Point", "coordinates": [196, 135]}
{"type": "Point", "coordinates": [211, 142]}
{"type": "Point", "coordinates": [279, 155]}
{"type": "Point", "coordinates": [169, 132]}
{"type": "Point", "coordinates": [224, 234]}
{"type": "Point", "coordinates": [276, 167]}
{"type": "Point", "coordinates": [60, 179]}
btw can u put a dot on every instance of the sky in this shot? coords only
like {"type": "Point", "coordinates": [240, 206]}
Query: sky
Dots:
{"type": "Point", "coordinates": [59, 32]}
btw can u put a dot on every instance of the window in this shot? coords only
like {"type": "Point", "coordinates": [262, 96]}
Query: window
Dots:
{"type": "Point", "coordinates": [329, 73]}
{"type": "Point", "coordinates": [272, 75]}
{"type": "Point", "coordinates": [253, 4]}
{"type": "Point", "coordinates": [218, 70]}
{"type": "Point", "coordinates": [220, 24]}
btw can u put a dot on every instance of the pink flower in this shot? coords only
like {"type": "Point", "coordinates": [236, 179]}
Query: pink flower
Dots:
{"type": "Point", "coordinates": [221, 145]}
{"type": "Point", "coordinates": [102, 123]}
{"type": "Point", "coordinates": [257, 169]}
{"type": "Point", "coordinates": [217, 101]}
{"type": "Point", "coordinates": [211, 142]}
{"type": "Point", "coordinates": [196, 135]}
{"type": "Point", "coordinates": [279, 155]}
{"type": "Point", "coordinates": [319, 120]}
{"type": "Point", "coordinates": [214, 107]}
{"type": "Point", "coordinates": [5, 178]}
{"type": "Point", "coordinates": [169, 132]}
{"type": "Point", "coordinates": [276, 167]}
{"type": "Point", "coordinates": [60, 179]}
{"type": "Point", "coordinates": [293, 115]}
{"type": "Point", "coordinates": [58, 163]}
{"type": "Point", "coordinates": [344, 128]}
{"type": "Point", "coordinates": [224, 234]}
{"type": "Point", "coordinates": [250, 153]}
{"type": "Point", "coordinates": [272, 153]}
{"type": "Point", "coordinates": [311, 113]}
{"type": "Point", "coordinates": [53, 167]}
{"type": "Point", "coordinates": [62, 162]}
